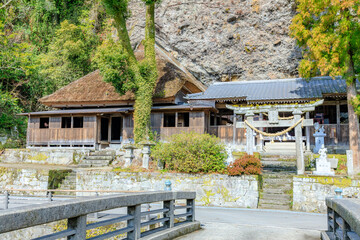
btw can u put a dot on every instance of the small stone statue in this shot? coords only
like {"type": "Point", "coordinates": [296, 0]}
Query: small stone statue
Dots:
{"type": "Point", "coordinates": [323, 166]}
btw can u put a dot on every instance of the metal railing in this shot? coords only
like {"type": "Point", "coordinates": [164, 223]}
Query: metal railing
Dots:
{"type": "Point", "coordinates": [343, 219]}
{"type": "Point", "coordinates": [76, 211]}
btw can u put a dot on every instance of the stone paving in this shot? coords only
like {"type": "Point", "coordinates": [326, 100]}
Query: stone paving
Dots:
{"type": "Point", "coordinates": [257, 224]}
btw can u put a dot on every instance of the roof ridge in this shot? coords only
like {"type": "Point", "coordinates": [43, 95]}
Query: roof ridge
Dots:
{"type": "Point", "coordinates": [273, 80]}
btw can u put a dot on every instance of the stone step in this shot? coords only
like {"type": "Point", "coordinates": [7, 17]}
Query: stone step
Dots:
{"type": "Point", "coordinates": [275, 191]}
{"type": "Point", "coordinates": [272, 196]}
{"type": "Point", "coordinates": [99, 158]}
{"type": "Point", "coordinates": [98, 162]}
{"type": "Point", "coordinates": [278, 169]}
{"type": "Point", "coordinates": [87, 165]}
{"type": "Point", "coordinates": [265, 159]}
{"type": "Point", "coordinates": [283, 187]}
{"type": "Point", "coordinates": [278, 175]}
{"type": "Point", "coordinates": [272, 206]}
{"type": "Point", "coordinates": [277, 180]}
{"type": "Point", "coordinates": [102, 153]}
{"type": "Point", "coordinates": [274, 202]}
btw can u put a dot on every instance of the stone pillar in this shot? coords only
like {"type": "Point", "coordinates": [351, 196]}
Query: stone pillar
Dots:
{"type": "Point", "coordinates": [307, 116]}
{"type": "Point", "coordinates": [129, 154]}
{"type": "Point", "coordinates": [146, 153]}
{"type": "Point", "coordinates": [299, 145]}
{"type": "Point", "coordinates": [249, 134]}
{"type": "Point", "coordinates": [261, 140]}
{"type": "Point", "coordinates": [349, 163]}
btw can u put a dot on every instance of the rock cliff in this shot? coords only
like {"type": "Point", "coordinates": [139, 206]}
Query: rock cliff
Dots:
{"type": "Point", "coordinates": [225, 40]}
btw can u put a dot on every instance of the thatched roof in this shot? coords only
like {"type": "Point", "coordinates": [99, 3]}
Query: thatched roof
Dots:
{"type": "Point", "coordinates": [92, 90]}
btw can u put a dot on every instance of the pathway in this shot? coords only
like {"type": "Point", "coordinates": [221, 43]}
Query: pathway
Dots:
{"type": "Point", "coordinates": [256, 224]}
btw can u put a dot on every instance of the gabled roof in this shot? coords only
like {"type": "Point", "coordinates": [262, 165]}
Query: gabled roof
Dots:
{"type": "Point", "coordinates": [274, 90]}
{"type": "Point", "coordinates": [91, 90]}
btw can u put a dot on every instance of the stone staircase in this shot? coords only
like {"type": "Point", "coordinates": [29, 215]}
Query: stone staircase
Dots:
{"type": "Point", "coordinates": [278, 163]}
{"type": "Point", "coordinates": [69, 183]}
{"type": "Point", "coordinates": [285, 148]}
{"type": "Point", "coordinates": [98, 159]}
{"type": "Point", "coordinates": [276, 185]}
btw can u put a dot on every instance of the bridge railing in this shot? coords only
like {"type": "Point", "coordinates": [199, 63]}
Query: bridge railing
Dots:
{"type": "Point", "coordinates": [12, 196]}
{"type": "Point", "coordinates": [76, 211]}
{"type": "Point", "coordinates": [343, 218]}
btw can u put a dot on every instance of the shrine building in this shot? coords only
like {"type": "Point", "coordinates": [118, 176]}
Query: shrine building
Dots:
{"type": "Point", "coordinates": [332, 114]}
{"type": "Point", "coordinates": [89, 113]}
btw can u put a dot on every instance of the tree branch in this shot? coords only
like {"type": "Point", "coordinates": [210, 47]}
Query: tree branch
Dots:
{"type": "Point", "coordinates": [3, 6]}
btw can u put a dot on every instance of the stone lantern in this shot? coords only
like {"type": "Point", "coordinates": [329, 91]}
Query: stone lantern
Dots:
{"type": "Point", "coordinates": [146, 153]}
{"type": "Point", "coordinates": [129, 154]}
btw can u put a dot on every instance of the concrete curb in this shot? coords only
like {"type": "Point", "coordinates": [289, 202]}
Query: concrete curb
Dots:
{"type": "Point", "coordinates": [325, 236]}
{"type": "Point", "coordinates": [174, 232]}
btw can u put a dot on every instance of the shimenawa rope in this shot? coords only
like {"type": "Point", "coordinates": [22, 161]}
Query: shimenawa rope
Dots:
{"type": "Point", "coordinates": [274, 134]}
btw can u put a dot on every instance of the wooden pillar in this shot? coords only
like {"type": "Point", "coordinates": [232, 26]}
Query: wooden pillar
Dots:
{"type": "Point", "coordinates": [249, 134]}
{"type": "Point", "coordinates": [234, 128]}
{"type": "Point", "coordinates": [307, 116]}
{"type": "Point", "coordinates": [299, 144]}
{"type": "Point", "coordinates": [28, 131]}
{"type": "Point", "coordinates": [337, 122]}
{"type": "Point", "coordinates": [109, 129]}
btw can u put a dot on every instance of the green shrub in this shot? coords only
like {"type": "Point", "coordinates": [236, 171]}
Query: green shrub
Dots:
{"type": "Point", "coordinates": [247, 164]}
{"type": "Point", "coordinates": [191, 153]}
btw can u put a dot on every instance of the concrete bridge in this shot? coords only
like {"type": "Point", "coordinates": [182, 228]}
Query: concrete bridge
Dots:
{"type": "Point", "coordinates": [167, 222]}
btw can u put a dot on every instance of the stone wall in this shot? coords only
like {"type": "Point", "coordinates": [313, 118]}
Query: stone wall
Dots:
{"type": "Point", "coordinates": [309, 193]}
{"type": "Point", "coordinates": [11, 178]}
{"type": "Point", "coordinates": [212, 189]}
{"type": "Point", "coordinates": [44, 156]}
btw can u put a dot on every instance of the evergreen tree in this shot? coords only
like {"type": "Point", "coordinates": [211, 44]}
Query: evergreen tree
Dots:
{"type": "Point", "coordinates": [329, 33]}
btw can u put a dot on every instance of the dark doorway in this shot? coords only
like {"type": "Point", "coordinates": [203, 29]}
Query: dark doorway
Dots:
{"type": "Point", "coordinates": [104, 129]}
{"type": "Point", "coordinates": [116, 127]}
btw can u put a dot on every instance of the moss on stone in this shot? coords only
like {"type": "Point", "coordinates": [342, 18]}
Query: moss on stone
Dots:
{"type": "Point", "coordinates": [39, 157]}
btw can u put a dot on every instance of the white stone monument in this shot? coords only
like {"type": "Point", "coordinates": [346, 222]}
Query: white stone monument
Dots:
{"type": "Point", "coordinates": [319, 137]}
{"type": "Point", "coordinates": [350, 162]}
{"type": "Point", "coordinates": [323, 166]}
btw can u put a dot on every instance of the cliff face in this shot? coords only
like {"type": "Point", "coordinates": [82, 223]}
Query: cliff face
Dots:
{"type": "Point", "coordinates": [225, 40]}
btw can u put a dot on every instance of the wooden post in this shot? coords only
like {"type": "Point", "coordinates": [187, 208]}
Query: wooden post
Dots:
{"type": "Point", "coordinates": [234, 128]}
{"type": "Point", "coordinates": [299, 144]}
{"type": "Point", "coordinates": [249, 134]}
{"type": "Point", "coordinates": [109, 129]}
{"type": "Point", "coordinates": [28, 131]}
{"type": "Point", "coordinates": [337, 122]}
{"type": "Point", "coordinates": [79, 225]}
{"type": "Point", "coordinates": [307, 116]}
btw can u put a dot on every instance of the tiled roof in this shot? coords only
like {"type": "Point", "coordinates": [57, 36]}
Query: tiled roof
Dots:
{"type": "Point", "coordinates": [269, 90]}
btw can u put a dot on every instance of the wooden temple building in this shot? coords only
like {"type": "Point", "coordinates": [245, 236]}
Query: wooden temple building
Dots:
{"type": "Point", "coordinates": [90, 113]}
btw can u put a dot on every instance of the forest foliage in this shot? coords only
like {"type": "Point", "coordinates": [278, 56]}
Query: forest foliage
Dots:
{"type": "Point", "coordinates": [44, 45]}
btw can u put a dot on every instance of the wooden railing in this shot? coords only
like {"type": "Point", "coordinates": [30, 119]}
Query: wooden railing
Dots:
{"type": "Point", "coordinates": [76, 211]}
{"type": "Point", "coordinates": [226, 134]}
{"type": "Point", "coordinates": [343, 219]}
